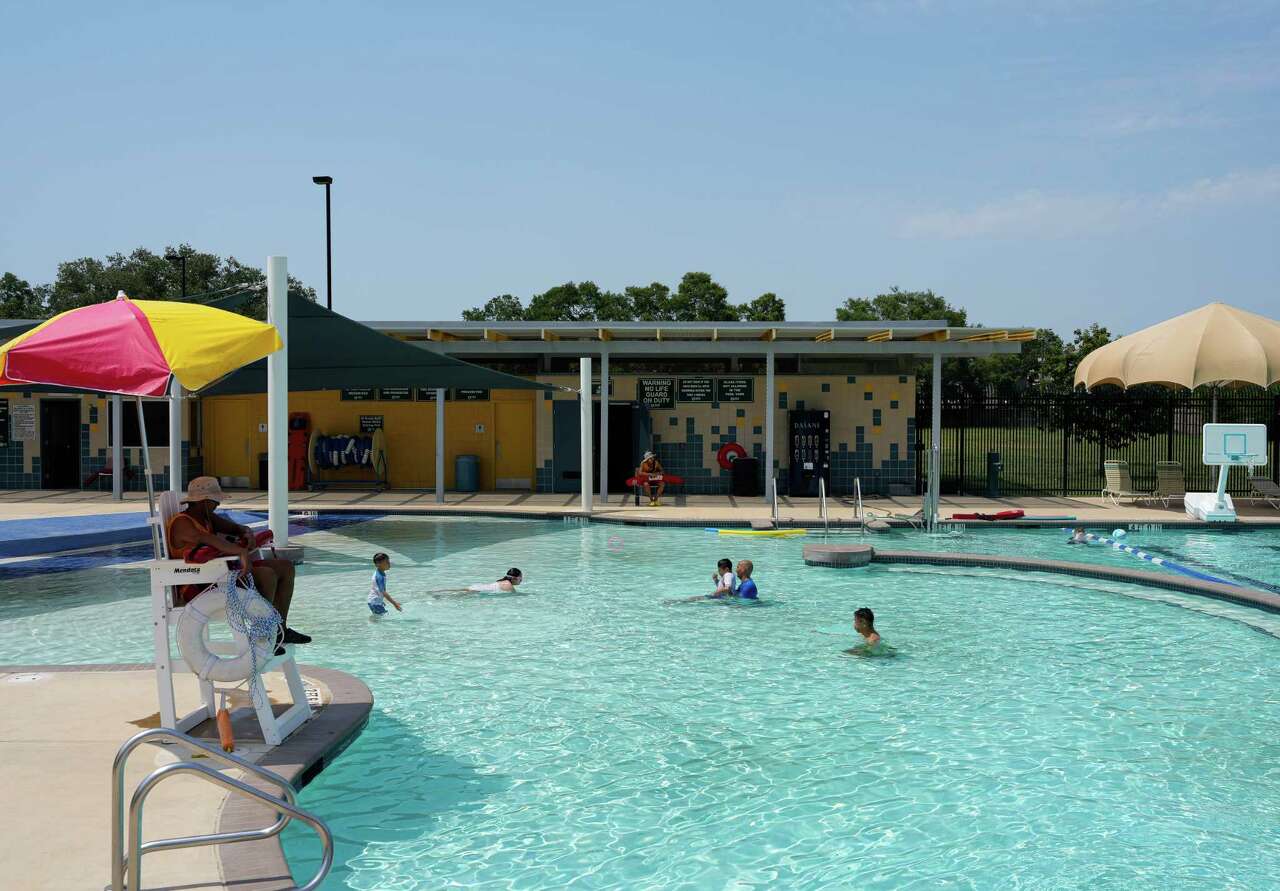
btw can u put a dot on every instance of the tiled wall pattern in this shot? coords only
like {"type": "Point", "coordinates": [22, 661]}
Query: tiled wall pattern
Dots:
{"type": "Point", "coordinates": [20, 460]}
{"type": "Point", "coordinates": [872, 429]}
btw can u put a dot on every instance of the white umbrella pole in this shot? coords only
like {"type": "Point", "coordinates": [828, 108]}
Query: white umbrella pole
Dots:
{"type": "Point", "coordinates": [146, 472]}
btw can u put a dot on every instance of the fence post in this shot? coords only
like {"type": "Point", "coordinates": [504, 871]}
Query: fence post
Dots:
{"type": "Point", "coordinates": [1067, 403]}
{"type": "Point", "coordinates": [1171, 427]}
{"type": "Point", "coordinates": [967, 417]}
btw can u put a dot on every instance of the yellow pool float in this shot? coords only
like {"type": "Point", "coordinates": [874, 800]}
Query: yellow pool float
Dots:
{"type": "Point", "coordinates": [766, 533]}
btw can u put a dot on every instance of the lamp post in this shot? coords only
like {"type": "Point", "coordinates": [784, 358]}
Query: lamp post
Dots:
{"type": "Point", "coordinates": [327, 181]}
{"type": "Point", "coordinates": [180, 257]}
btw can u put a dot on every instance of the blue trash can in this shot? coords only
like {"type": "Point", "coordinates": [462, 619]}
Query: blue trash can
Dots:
{"type": "Point", "coordinates": [466, 473]}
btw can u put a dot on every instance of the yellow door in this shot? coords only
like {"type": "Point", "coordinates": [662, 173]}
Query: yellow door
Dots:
{"type": "Point", "coordinates": [228, 437]}
{"type": "Point", "coordinates": [513, 445]}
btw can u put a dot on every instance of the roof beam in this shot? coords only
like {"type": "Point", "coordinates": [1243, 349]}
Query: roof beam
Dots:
{"type": "Point", "coordinates": [880, 336]}
{"type": "Point", "coordinates": [933, 335]}
{"type": "Point", "coordinates": [604, 334]}
{"type": "Point", "coordinates": [494, 336]}
{"type": "Point", "coordinates": [770, 334]}
{"type": "Point", "coordinates": [826, 336]}
{"type": "Point", "coordinates": [549, 335]}
{"type": "Point", "coordinates": [1022, 336]}
{"type": "Point", "coordinates": [985, 336]}
{"type": "Point", "coordinates": [441, 336]}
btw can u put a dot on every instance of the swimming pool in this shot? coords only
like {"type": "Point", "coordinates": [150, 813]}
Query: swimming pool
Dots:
{"type": "Point", "coordinates": [1036, 731]}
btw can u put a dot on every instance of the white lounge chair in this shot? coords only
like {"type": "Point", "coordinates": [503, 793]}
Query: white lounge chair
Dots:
{"type": "Point", "coordinates": [1170, 484]}
{"type": "Point", "coordinates": [1266, 489]}
{"type": "Point", "coordinates": [1119, 484]}
{"type": "Point", "coordinates": [166, 575]}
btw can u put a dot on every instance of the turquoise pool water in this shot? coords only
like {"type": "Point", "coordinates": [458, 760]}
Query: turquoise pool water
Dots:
{"type": "Point", "coordinates": [1035, 731]}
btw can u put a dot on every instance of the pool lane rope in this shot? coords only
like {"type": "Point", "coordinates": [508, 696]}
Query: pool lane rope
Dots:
{"type": "Point", "coordinates": [1159, 561]}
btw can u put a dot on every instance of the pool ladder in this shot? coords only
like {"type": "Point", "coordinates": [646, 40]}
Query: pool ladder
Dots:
{"type": "Point", "coordinates": [127, 868]}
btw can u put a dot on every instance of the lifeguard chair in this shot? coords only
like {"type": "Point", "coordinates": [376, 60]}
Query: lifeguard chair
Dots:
{"type": "Point", "coordinates": [166, 576]}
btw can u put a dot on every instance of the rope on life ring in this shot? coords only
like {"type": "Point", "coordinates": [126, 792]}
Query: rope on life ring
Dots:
{"type": "Point", "coordinates": [730, 452]}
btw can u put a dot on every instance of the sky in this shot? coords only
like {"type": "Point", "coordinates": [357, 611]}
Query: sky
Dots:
{"type": "Point", "coordinates": [1038, 162]}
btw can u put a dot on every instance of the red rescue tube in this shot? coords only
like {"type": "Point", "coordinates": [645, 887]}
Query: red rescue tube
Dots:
{"type": "Point", "coordinates": [730, 452]}
{"type": "Point", "coordinates": [645, 478]}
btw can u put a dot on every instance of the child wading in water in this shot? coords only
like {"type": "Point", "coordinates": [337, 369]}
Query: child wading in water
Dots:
{"type": "Point", "coordinates": [726, 584]}
{"type": "Point", "coordinates": [378, 589]}
{"type": "Point", "coordinates": [864, 622]}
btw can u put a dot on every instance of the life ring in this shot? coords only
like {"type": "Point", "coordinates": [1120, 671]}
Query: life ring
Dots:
{"type": "Point", "coordinates": [212, 606]}
{"type": "Point", "coordinates": [730, 452]}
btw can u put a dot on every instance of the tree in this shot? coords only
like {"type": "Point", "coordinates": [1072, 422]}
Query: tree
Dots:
{"type": "Point", "coordinates": [768, 307]}
{"type": "Point", "coordinates": [503, 308]}
{"type": "Point", "coordinates": [901, 306]}
{"type": "Point", "coordinates": [18, 300]}
{"type": "Point", "coordinates": [569, 302]}
{"type": "Point", "coordinates": [651, 302]}
{"type": "Point", "coordinates": [700, 299]}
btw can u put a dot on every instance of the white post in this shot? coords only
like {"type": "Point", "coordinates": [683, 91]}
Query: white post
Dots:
{"type": "Point", "coordinates": [278, 402]}
{"type": "Point", "coordinates": [117, 447]}
{"type": "Point", "coordinates": [175, 436]}
{"type": "Point", "coordinates": [935, 444]}
{"type": "Point", "coordinates": [439, 445]}
{"type": "Point", "coordinates": [769, 400]}
{"type": "Point", "coordinates": [604, 426]}
{"type": "Point", "coordinates": [584, 401]}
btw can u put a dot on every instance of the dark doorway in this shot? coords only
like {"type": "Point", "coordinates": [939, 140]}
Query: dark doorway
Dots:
{"type": "Point", "coordinates": [629, 436]}
{"type": "Point", "coordinates": [59, 444]}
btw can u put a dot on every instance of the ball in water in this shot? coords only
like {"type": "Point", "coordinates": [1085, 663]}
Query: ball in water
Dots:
{"type": "Point", "coordinates": [1119, 533]}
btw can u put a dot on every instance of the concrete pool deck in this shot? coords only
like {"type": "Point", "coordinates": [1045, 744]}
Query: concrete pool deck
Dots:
{"type": "Point", "coordinates": [60, 728]}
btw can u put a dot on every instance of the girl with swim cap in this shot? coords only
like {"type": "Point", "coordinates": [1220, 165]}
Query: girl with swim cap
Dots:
{"type": "Point", "coordinates": [505, 585]}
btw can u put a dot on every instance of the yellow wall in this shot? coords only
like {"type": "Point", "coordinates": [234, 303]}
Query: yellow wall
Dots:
{"type": "Point", "coordinates": [498, 431]}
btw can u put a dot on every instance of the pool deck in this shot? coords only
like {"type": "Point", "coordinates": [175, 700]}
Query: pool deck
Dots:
{"type": "Point", "coordinates": [60, 728]}
{"type": "Point", "coordinates": [39, 521]}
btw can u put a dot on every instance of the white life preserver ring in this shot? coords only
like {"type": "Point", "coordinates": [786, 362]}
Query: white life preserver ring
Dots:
{"type": "Point", "coordinates": [211, 605]}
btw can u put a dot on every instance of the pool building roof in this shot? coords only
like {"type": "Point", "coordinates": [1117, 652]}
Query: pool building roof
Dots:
{"type": "Point", "coordinates": [704, 338]}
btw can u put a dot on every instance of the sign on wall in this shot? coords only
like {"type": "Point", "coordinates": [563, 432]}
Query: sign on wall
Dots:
{"type": "Point", "coordinates": [428, 394]}
{"type": "Point", "coordinates": [4, 422]}
{"type": "Point", "coordinates": [359, 394]}
{"type": "Point", "coordinates": [695, 389]}
{"type": "Point", "coordinates": [595, 387]}
{"type": "Point", "coordinates": [396, 394]}
{"type": "Point", "coordinates": [24, 422]}
{"type": "Point", "coordinates": [370, 423]}
{"type": "Point", "coordinates": [656, 392]}
{"type": "Point", "coordinates": [736, 389]}
{"type": "Point", "coordinates": [464, 394]}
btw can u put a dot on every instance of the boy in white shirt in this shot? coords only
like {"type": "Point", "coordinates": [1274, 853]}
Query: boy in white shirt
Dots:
{"type": "Point", "coordinates": [378, 588]}
{"type": "Point", "coordinates": [726, 581]}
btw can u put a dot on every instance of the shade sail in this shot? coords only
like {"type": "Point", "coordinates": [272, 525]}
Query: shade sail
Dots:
{"type": "Point", "coordinates": [1214, 344]}
{"type": "Point", "coordinates": [328, 351]}
{"type": "Point", "coordinates": [135, 347]}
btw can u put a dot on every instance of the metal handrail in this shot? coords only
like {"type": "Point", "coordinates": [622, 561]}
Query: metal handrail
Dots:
{"type": "Point", "coordinates": [822, 505]}
{"type": "Point", "coordinates": [286, 808]}
{"type": "Point", "coordinates": [857, 492]}
{"type": "Point", "coordinates": [774, 481]}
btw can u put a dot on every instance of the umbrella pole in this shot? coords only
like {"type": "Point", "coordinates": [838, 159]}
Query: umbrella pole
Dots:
{"type": "Point", "coordinates": [151, 494]}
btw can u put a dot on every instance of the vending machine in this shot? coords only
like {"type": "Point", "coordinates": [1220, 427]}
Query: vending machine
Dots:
{"type": "Point", "coordinates": [810, 448]}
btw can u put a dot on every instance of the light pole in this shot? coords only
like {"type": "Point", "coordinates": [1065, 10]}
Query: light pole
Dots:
{"type": "Point", "coordinates": [180, 257]}
{"type": "Point", "coordinates": [327, 181]}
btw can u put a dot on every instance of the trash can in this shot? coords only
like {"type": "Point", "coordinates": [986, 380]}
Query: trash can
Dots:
{"type": "Point", "coordinates": [746, 477]}
{"type": "Point", "coordinates": [466, 473]}
{"type": "Point", "coordinates": [994, 466]}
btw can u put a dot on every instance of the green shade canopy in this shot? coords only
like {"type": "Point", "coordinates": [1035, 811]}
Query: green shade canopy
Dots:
{"type": "Point", "coordinates": [328, 351]}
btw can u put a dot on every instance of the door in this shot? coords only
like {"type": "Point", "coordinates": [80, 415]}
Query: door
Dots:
{"type": "Point", "coordinates": [566, 466]}
{"type": "Point", "coordinates": [513, 445]}
{"type": "Point", "coordinates": [228, 437]}
{"type": "Point", "coordinates": [59, 444]}
{"type": "Point", "coordinates": [621, 445]}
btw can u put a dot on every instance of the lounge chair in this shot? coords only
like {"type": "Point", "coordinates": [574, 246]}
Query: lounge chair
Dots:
{"type": "Point", "coordinates": [1170, 485]}
{"type": "Point", "coordinates": [916, 519]}
{"type": "Point", "coordinates": [1267, 490]}
{"type": "Point", "coordinates": [1119, 484]}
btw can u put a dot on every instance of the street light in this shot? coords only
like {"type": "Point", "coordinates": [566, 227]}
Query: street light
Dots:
{"type": "Point", "coordinates": [327, 181]}
{"type": "Point", "coordinates": [180, 257]}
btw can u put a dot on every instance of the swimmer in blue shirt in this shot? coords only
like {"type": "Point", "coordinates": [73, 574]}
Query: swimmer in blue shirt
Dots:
{"type": "Point", "coordinates": [746, 587]}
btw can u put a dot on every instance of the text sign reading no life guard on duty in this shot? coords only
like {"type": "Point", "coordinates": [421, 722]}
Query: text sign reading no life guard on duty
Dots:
{"type": "Point", "coordinates": [656, 392]}
{"type": "Point", "coordinates": [735, 389]}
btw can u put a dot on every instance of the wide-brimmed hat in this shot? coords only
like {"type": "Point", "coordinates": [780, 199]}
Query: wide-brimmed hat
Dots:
{"type": "Point", "coordinates": [204, 488]}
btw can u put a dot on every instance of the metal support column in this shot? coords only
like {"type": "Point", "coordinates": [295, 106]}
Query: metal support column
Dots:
{"type": "Point", "coordinates": [117, 447]}
{"type": "Point", "coordinates": [935, 444]}
{"type": "Point", "coordinates": [175, 436]}
{"type": "Point", "coordinates": [439, 445]}
{"type": "Point", "coordinates": [584, 423]}
{"type": "Point", "coordinates": [278, 403]}
{"type": "Point", "coordinates": [604, 426]}
{"type": "Point", "coordinates": [769, 401]}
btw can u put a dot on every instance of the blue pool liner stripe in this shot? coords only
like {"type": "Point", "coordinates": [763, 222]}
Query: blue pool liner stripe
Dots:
{"type": "Point", "coordinates": [1160, 561]}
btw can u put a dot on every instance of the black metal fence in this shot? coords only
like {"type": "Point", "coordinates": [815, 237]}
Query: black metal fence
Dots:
{"type": "Point", "coordinates": [1056, 444]}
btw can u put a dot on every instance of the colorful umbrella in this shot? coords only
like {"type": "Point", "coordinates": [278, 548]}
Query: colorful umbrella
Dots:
{"type": "Point", "coordinates": [136, 348]}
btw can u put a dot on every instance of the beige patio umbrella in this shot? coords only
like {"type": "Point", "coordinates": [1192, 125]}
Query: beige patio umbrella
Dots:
{"type": "Point", "coordinates": [1215, 344]}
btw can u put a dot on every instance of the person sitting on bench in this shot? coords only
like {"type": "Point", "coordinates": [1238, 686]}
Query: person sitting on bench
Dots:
{"type": "Point", "coordinates": [199, 525]}
{"type": "Point", "coordinates": [651, 465]}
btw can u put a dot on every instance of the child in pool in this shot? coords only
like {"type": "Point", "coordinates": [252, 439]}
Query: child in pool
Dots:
{"type": "Point", "coordinates": [864, 622]}
{"type": "Point", "coordinates": [378, 589]}
{"type": "Point", "coordinates": [1078, 536]}
{"type": "Point", "coordinates": [504, 585]}
{"type": "Point", "coordinates": [746, 587]}
{"type": "Point", "coordinates": [726, 584]}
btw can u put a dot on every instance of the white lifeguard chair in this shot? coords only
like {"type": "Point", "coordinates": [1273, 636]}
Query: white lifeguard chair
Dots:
{"type": "Point", "coordinates": [166, 575]}
{"type": "Point", "coordinates": [1226, 446]}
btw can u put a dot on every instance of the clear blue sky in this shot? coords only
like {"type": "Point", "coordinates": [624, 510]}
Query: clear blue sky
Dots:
{"type": "Point", "coordinates": [1047, 163]}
